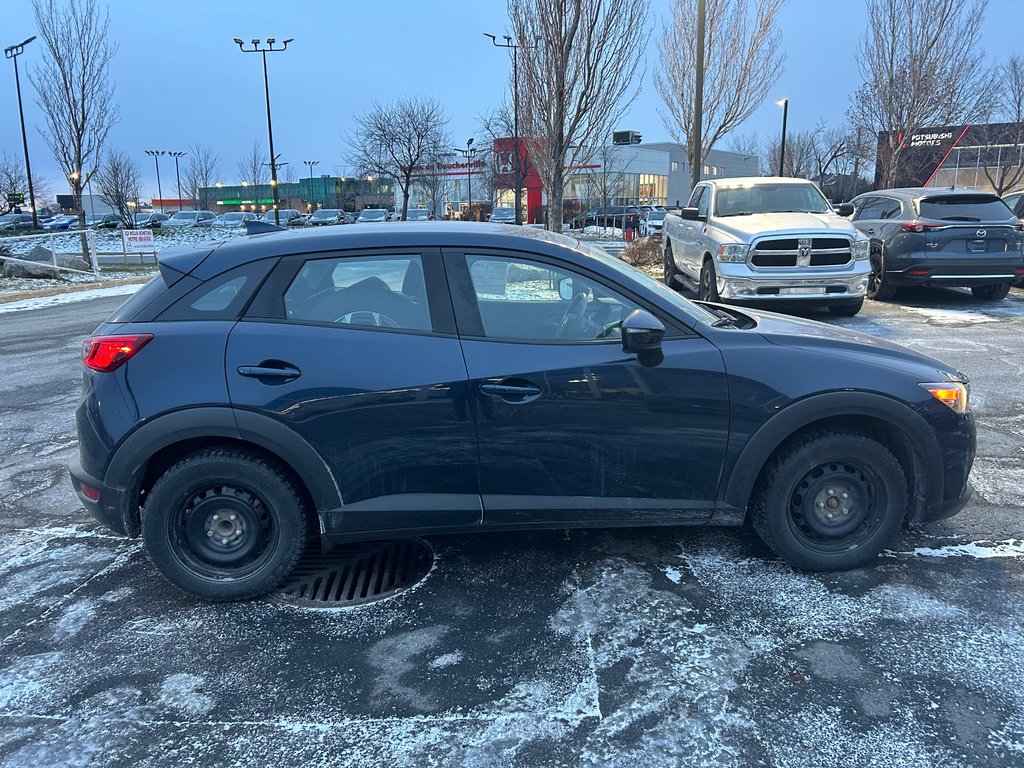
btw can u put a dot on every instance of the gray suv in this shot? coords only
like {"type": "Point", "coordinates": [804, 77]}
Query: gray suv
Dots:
{"type": "Point", "coordinates": [950, 237]}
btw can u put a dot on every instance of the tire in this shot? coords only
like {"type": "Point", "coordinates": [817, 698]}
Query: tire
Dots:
{"type": "Point", "coordinates": [798, 509]}
{"type": "Point", "coordinates": [707, 290]}
{"type": "Point", "coordinates": [879, 289]}
{"type": "Point", "coordinates": [991, 291]}
{"type": "Point", "coordinates": [193, 538]}
{"type": "Point", "coordinates": [671, 272]}
{"type": "Point", "coordinates": [846, 310]}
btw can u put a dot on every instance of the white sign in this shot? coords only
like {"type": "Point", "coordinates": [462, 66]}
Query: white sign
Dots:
{"type": "Point", "coordinates": [138, 240]}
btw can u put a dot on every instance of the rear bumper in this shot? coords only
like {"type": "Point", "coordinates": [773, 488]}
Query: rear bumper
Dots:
{"type": "Point", "coordinates": [957, 270]}
{"type": "Point", "coordinates": [109, 507]}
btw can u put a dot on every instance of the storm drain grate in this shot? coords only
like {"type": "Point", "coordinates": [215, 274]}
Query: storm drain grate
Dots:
{"type": "Point", "coordinates": [352, 574]}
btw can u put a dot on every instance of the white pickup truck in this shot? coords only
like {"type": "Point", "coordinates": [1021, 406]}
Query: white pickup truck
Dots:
{"type": "Point", "coordinates": [767, 241]}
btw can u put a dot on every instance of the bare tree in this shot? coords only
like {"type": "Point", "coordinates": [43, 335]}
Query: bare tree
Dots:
{"type": "Point", "coordinates": [604, 184]}
{"type": "Point", "coordinates": [1004, 143]}
{"type": "Point", "coordinates": [922, 67]}
{"type": "Point", "coordinates": [119, 186]}
{"type": "Point", "coordinates": [253, 172]}
{"type": "Point", "coordinates": [73, 85]}
{"type": "Point", "coordinates": [747, 144]}
{"type": "Point", "coordinates": [13, 181]}
{"type": "Point", "coordinates": [578, 60]}
{"type": "Point", "coordinates": [742, 62]}
{"type": "Point", "coordinates": [433, 181]}
{"type": "Point", "coordinates": [506, 166]}
{"type": "Point", "coordinates": [392, 140]}
{"type": "Point", "coordinates": [201, 175]}
{"type": "Point", "coordinates": [800, 150]}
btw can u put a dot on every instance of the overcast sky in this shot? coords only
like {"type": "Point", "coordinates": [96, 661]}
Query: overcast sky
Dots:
{"type": "Point", "coordinates": [180, 80]}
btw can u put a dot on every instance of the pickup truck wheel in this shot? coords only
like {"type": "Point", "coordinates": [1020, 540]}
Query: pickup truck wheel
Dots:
{"type": "Point", "coordinates": [830, 501]}
{"type": "Point", "coordinates": [708, 288]}
{"type": "Point", "coordinates": [991, 291]}
{"type": "Point", "coordinates": [846, 310]}
{"type": "Point", "coordinates": [671, 273]}
{"type": "Point", "coordinates": [224, 524]}
{"type": "Point", "coordinates": [879, 288]}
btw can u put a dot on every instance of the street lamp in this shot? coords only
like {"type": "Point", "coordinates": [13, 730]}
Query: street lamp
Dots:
{"type": "Point", "coordinates": [309, 164]}
{"type": "Point", "coordinates": [177, 174]}
{"type": "Point", "coordinates": [274, 163]}
{"type": "Point", "coordinates": [468, 153]}
{"type": "Point", "coordinates": [12, 52]}
{"type": "Point", "coordinates": [517, 170]}
{"type": "Point", "coordinates": [784, 103]}
{"type": "Point", "coordinates": [258, 47]}
{"type": "Point", "coordinates": [155, 154]}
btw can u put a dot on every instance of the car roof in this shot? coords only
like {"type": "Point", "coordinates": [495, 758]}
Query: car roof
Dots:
{"type": "Point", "coordinates": [914, 193]}
{"type": "Point", "coordinates": [741, 181]}
{"type": "Point", "coordinates": [207, 259]}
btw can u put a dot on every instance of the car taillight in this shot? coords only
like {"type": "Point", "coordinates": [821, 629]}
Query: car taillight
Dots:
{"type": "Point", "coordinates": [917, 226]}
{"type": "Point", "coordinates": [108, 353]}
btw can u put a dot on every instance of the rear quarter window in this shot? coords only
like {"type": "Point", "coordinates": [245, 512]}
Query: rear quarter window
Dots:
{"type": "Point", "coordinates": [222, 297]}
{"type": "Point", "coordinates": [964, 208]}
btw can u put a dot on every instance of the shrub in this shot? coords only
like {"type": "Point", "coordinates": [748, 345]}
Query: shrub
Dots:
{"type": "Point", "coordinates": [642, 253]}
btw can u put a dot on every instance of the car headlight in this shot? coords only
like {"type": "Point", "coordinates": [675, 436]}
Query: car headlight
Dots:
{"type": "Point", "coordinates": [861, 249]}
{"type": "Point", "coordinates": [955, 394]}
{"type": "Point", "coordinates": [732, 252]}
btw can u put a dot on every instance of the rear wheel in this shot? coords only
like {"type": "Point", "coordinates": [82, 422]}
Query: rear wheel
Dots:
{"type": "Point", "coordinates": [991, 291]}
{"type": "Point", "coordinates": [830, 501]}
{"type": "Point", "coordinates": [224, 524]}
{"type": "Point", "coordinates": [879, 288]}
{"type": "Point", "coordinates": [846, 310]}
{"type": "Point", "coordinates": [708, 288]}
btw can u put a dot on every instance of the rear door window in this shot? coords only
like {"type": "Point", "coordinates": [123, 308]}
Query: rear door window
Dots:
{"type": "Point", "coordinates": [964, 208]}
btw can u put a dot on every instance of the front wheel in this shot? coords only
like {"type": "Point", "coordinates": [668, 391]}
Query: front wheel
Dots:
{"type": "Point", "coordinates": [708, 288]}
{"type": "Point", "coordinates": [830, 500]}
{"type": "Point", "coordinates": [991, 291]}
{"type": "Point", "coordinates": [224, 524]}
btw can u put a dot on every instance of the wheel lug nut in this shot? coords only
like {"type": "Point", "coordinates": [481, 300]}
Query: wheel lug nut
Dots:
{"type": "Point", "coordinates": [846, 495]}
{"type": "Point", "coordinates": [216, 516]}
{"type": "Point", "coordinates": [821, 504]}
{"type": "Point", "coordinates": [233, 517]}
{"type": "Point", "coordinates": [846, 511]}
{"type": "Point", "coordinates": [209, 533]}
{"type": "Point", "coordinates": [829, 515]}
{"type": "Point", "coordinates": [223, 541]}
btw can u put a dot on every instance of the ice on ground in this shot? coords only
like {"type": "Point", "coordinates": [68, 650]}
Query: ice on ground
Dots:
{"type": "Point", "coordinates": [673, 574]}
{"type": "Point", "coordinates": [181, 692]}
{"type": "Point", "coordinates": [952, 316]}
{"type": "Point", "coordinates": [43, 302]}
{"type": "Point", "coordinates": [446, 660]}
{"type": "Point", "coordinates": [981, 550]}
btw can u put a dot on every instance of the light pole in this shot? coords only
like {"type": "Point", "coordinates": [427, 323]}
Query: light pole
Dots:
{"type": "Point", "coordinates": [155, 154]}
{"type": "Point", "coordinates": [784, 103]}
{"type": "Point", "coordinates": [517, 162]}
{"type": "Point", "coordinates": [274, 163]}
{"type": "Point", "coordinates": [468, 153]}
{"type": "Point", "coordinates": [310, 164]}
{"type": "Point", "coordinates": [12, 52]}
{"type": "Point", "coordinates": [258, 47]}
{"type": "Point", "coordinates": [177, 174]}
{"type": "Point", "coordinates": [697, 140]}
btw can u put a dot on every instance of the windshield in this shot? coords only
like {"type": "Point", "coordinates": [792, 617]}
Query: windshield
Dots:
{"type": "Point", "coordinates": [185, 216]}
{"type": "Point", "coordinates": [326, 213]}
{"type": "Point", "coordinates": [964, 208]}
{"type": "Point", "coordinates": [504, 212]}
{"type": "Point", "coordinates": [656, 216]}
{"type": "Point", "coordinates": [373, 215]}
{"type": "Point", "coordinates": [94, 219]}
{"type": "Point", "coordinates": [8, 217]}
{"type": "Point", "coordinates": [416, 215]}
{"type": "Point", "coordinates": [769, 198]}
{"type": "Point", "coordinates": [232, 216]}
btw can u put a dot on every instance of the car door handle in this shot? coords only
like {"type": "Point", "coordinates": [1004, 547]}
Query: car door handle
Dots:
{"type": "Point", "coordinates": [512, 393]}
{"type": "Point", "coordinates": [871, 230]}
{"type": "Point", "coordinates": [269, 371]}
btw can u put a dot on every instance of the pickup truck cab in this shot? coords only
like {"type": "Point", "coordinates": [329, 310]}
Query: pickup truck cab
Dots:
{"type": "Point", "coordinates": [768, 241]}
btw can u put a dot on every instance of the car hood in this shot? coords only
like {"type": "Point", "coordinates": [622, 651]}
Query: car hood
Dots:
{"type": "Point", "coordinates": [787, 331]}
{"type": "Point", "coordinates": [745, 228]}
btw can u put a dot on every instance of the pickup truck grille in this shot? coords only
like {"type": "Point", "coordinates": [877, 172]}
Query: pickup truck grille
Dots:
{"type": "Point", "coordinates": [801, 252]}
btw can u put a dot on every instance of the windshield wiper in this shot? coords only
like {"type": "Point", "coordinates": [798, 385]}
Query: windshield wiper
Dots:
{"type": "Point", "coordinates": [738, 213]}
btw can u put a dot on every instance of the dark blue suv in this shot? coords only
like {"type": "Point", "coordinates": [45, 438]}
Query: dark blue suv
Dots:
{"type": "Point", "coordinates": [365, 383]}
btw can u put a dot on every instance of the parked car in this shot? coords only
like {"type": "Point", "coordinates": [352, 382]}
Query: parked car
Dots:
{"type": "Point", "coordinates": [234, 219]}
{"type": "Point", "coordinates": [418, 214]}
{"type": "Point", "coordinates": [766, 240]}
{"type": "Point", "coordinates": [327, 216]}
{"type": "Point", "coordinates": [527, 379]}
{"type": "Point", "coordinates": [13, 221]}
{"type": "Point", "coordinates": [394, 216]}
{"type": "Point", "coordinates": [149, 220]}
{"type": "Point", "coordinates": [102, 221]}
{"type": "Point", "coordinates": [618, 216]}
{"type": "Point", "coordinates": [288, 217]}
{"type": "Point", "coordinates": [948, 237]}
{"type": "Point", "coordinates": [1016, 204]}
{"type": "Point", "coordinates": [502, 215]}
{"type": "Point", "coordinates": [372, 215]}
{"type": "Point", "coordinates": [651, 222]}
{"type": "Point", "coordinates": [190, 219]}
{"type": "Point", "coordinates": [61, 222]}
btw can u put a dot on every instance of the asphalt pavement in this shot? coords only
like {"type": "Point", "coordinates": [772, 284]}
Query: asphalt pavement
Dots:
{"type": "Point", "coordinates": [653, 647]}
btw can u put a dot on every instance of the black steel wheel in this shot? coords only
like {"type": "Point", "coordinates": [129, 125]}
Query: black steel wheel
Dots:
{"type": "Point", "coordinates": [830, 500]}
{"type": "Point", "coordinates": [708, 288]}
{"type": "Point", "coordinates": [224, 524]}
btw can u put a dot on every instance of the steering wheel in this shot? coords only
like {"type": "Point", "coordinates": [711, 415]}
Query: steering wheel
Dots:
{"type": "Point", "coordinates": [367, 317]}
{"type": "Point", "coordinates": [573, 317]}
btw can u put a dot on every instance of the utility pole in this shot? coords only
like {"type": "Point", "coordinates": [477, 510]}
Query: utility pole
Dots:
{"type": "Point", "coordinates": [155, 154]}
{"type": "Point", "coordinates": [784, 103]}
{"type": "Point", "coordinates": [696, 138]}
{"type": "Point", "coordinates": [310, 164]}
{"type": "Point", "coordinates": [12, 52]}
{"type": "Point", "coordinates": [177, 174]}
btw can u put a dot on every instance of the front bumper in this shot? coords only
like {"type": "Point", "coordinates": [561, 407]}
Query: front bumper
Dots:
{"type": "Point", "coordinates": [736, 283]}
{"type": "Point", "coordinates": [109, 508]}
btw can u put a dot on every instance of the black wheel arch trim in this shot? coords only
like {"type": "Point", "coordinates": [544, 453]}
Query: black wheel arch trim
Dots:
{"type": "Point", "coordinates": [738, 486]}
{"type": "Point", "coordinates": [124, 471]}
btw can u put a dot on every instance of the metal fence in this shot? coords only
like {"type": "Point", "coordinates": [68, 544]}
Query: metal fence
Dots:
{"type": "Point", "coordinates": [83, 246]}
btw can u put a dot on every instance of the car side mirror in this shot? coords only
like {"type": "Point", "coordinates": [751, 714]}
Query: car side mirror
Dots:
{"type": "Point", "coordinates": [565, 289]}
{"type": "Point", "coordinates": [844, 209]}
{"type": "Point", "coordinates": [691, 214]}
{"type": "Point", "coordinates": [641, 332]}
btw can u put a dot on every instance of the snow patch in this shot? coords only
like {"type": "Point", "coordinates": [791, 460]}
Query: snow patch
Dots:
{"type": "Point", "coordinates": [673, 574]}
{"type": "Point", "coordinates": [952, 316]}
{"type": "Point", "coordinates": [181, 692]}
{"type": "Point", "coordinates": [43, 302]}
{"type": "Point", "coordinates": [981, 550]}
{"type": "Point", "coordinates": [446, 660]}
{"type": "Point", "coordinates": [75, 617]}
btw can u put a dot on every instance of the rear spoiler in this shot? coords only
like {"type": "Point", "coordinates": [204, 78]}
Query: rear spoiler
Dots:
{"type": "Point", "coordinates": [260, 227]}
